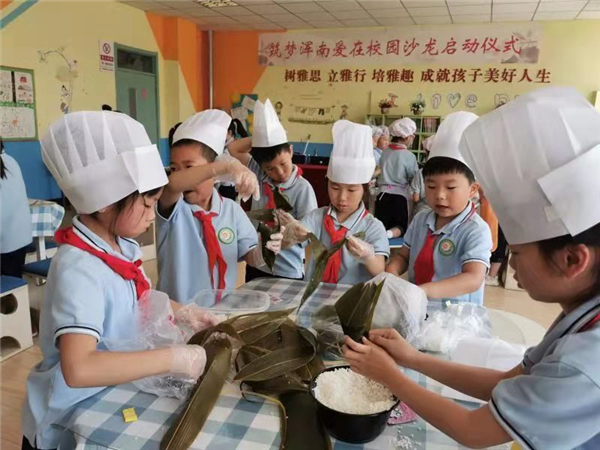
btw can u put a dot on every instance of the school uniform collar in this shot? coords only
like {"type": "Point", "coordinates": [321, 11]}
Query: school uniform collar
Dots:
{"type": "Point", "coordinates": [288, 184]}
{"type": "Point", "coordinates": [130, 249]}
{"type": "Point", "coordinates": [216, 204]}
{"type": "Point", "coordinates": [397, 146]}
{"type": "Point", "coordinates": [465, 215]}
{"type": "Point", "coordinates": [352, 220]}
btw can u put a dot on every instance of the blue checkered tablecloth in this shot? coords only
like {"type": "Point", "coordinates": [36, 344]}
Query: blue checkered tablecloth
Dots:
{"type": "Point", "coordinates": [234, 423]}
{"type": "Point", "coordinates": [46, 217]}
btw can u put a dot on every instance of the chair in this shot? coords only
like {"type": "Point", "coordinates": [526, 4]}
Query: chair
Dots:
{"type": "Point", "coordinates": [15, 318]}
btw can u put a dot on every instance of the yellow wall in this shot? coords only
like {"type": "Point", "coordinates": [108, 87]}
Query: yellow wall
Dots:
{"type": "Point", "coordinates": [569, 51]}
{"type": "Point", "coordinates": [78, 26]}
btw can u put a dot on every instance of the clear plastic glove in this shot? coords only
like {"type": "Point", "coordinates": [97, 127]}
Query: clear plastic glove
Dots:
{"type": "Point", "coordinates": [187, 362]}
{"type": "Point", "coordinates": [195, 318]}
{"type": "Point", "coordinates": [230, 170]}
{"type": "Point", "coordinates": [283, 218]}
{"type": "Point", "coordinates": [360, 250]}
{"type": "Point", "coordinates": [295, 233]}
{"type": "Point", "coordinates": [274, 242]}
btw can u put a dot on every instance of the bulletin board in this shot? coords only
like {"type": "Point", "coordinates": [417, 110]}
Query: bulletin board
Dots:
{"type": "Point", "coordinates": [18, 118]}
{"type": "Point", "coordinates": [242, 108]}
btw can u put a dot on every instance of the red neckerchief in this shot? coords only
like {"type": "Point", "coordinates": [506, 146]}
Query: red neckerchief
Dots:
{"type": "Point", "coordinates": [269, 190]}
{"type": "Point", "coordinates": [128, 270]}
{"type": "Point", "coordinates": [332, 269]}
{"type": "Point", "coordinates": [396, 146]}
{"type": "Point", "coordinates": [213, 249]}
{"type": "Point", "coordinates": [424, 268]}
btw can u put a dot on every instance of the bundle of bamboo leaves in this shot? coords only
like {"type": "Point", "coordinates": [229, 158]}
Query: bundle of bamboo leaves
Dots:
{"type": "Point", "coordinates": [321, 256]}
{"type": "Point", "coordinates": [276, 357]}
{"type": "Point", "coordinates": [267, 224]}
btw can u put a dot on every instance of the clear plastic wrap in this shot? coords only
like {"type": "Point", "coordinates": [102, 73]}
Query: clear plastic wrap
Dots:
{"type": "Point", "coordinates": [444, 329]}
{"type": "Point", "coordinates": [402, 306]}
{"type": "Point", "coordinates": [154, 327]}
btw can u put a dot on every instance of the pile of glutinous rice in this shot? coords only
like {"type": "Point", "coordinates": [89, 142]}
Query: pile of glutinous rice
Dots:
{"type": "Point", "coordinates": [345, 391]}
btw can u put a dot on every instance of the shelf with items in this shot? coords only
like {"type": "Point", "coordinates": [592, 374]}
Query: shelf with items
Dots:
{"type": "Point", "coordinates": [426, 126]}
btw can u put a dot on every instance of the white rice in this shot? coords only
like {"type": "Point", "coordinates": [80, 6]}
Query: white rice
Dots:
{"type": "Point", "coordinates": [345, 391]}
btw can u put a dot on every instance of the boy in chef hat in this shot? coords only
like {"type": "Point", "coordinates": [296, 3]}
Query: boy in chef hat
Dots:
{"type": "Point", "coordinates": [201, 236]}
{"type": "Point", "coordinates": [350, 169]}
{"type": "Point", "coordinates": [271, 160]}
{"type": "Point", "coordinates": [398, 167]}
{"type": "Point", "coordinates": [107, 167]}
{"type": "Point", "coordinates": [447, 249]}
{"type": "Point", "coordinates": [538, 159]}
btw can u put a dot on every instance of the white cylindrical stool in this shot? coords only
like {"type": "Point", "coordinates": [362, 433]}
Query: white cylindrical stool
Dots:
{"type": "Point", "coordinates": [15, 319]}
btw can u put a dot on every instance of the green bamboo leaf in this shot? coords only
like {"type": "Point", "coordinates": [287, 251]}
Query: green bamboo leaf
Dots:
{"type": "Point", "coordinates": [265, 235]}
{"type": "Point", "coordinates": [304, 430]}
{"type": "Point", "coordinates": [282, 201]}
{"type": "Point", "coordinates": [276, 363]}
{"type": "Point", "coordinates": [245, 322]}
{"type": "Point", "coordinates": [188, 425]}
{"type": "Point", "coordinates": [270, 342]}
{"type": "Point", "coordinates": [261, 215]}
{"type": "Point", "coordinates": [356, 307]}
{"type": "Point", "coordinates": [282, 413]}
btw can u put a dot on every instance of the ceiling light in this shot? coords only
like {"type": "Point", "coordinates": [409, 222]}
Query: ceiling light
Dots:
{"type": "Point", "coordinates": [215, 3]}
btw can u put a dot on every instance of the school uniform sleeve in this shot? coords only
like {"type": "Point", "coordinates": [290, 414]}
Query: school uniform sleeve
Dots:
{"type": "Point", "coordinates": [553, 408]}
{"type": "Point", "coordinates": [76, 297]}
{"type": "Point", "coordinates": [313, 221]}
{"type": "Point", "coordinates": [305, 200]}
{"type": "Point", "coordinates": [416, 184]}
{"type": "Point", "coordinates": [477, 246]}
{"type": "Point", "coordinates": [377, 237]}
{"type": "Point", "coordinates": [412, 167]}
{"type": "Point", "coordinates": [410, 234]}
{"type": "Point", "coordinates": [247, 238]}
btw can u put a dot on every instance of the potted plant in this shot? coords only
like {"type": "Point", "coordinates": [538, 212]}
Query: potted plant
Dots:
{"type": "Point", "coordinates": [417, 107]}
{"type": "Point", "coordinates": [385, 105]}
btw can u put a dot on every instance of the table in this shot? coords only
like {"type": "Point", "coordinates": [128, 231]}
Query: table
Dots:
{"type": "Point", "coordinates": [234, 423]}
{"type": "Point", "coordinates": [46, 217]}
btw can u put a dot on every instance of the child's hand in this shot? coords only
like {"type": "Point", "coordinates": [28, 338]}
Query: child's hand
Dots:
{"type": "Point", "coordinates": [284, 218]}
{"type": "Point", "coordinates": [395, 345]}
{"type": "Point", "coordinates": [369, 360]}
{"type": "Point", "coordinates": [274, 242]}
{"type": "Point", "coordinates": [195, 317]}
{"type": "Point", "coordinates": [295, 233]}
{"type": "Point", "coordinates": [188, 362]}
{"type": "Point", "coordinates": [230, 170]}
{"type": "Point", "coordinates": [360, 250]}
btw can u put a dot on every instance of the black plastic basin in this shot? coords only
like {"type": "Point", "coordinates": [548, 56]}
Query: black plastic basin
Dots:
{"type": "Point", "coordinates": [351, 428]}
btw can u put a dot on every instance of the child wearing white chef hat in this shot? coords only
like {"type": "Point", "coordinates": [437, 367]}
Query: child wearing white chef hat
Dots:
{"type": "Point", "coordinates": [271, 160]}
{"type": "Point", "coordinates": [107, 167]}
{"type": "Point", "coordinates": [538, 159]}
{"type": "Point", "coordinates": [447, 249]}
{"type": "Point", "coordinates": [398, 168]}
{"type": "Point", "coordinates": [350, 169]}
{"type": "Point", "coordinates": [201, 236]}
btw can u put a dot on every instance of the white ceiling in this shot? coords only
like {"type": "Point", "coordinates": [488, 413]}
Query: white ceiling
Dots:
{"type": "Point", "coordinates": [306, 14]}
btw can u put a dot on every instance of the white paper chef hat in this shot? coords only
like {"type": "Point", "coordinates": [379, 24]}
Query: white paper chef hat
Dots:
{"type": "Point", "coordinates": [449, 133]}
{"type": "Point", "coordinates": [385, 131]}
{"type": "Point", "coordinates": [100, 157]}
{"type": "Point", "coordinates": [376, 131]}
{"type": "Point", "coordinates": [267, 129]}
{"type": "Point", "coordinates": [538, 160]}
{"type": "Point", "coordinates": [209, 127]}
{"type": "Point", "coordinates": [403, 128]}
{"type": "Point", "coordinates": [351, 159]}
{"type": "Point", "coordinates": [428, 142]}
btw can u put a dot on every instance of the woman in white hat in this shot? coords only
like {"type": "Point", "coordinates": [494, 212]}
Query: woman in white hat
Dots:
{"type": "Point", "coordinates": [350, 169]}
{"type": "Point", "coordinates": [398, 167]}
{"type": "Point", "coordinates": [538, 159]}
{"type": "Point", "coordinates": [112, 174]}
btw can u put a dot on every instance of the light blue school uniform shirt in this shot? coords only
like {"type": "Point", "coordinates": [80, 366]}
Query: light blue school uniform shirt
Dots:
{"type": "Point", "coordinates": [182, 256]}
{"type": "Point", "coordinates": [377, 152]}
{"type": "Point", "coordinates": [15, 217]}
{"type": "Point", "coordinates": [556, 404]}
{"type": "Point", "coordinates": [83, 296]}
{"type": "Point", "coordinates": [351, 271]}
{"type": "Point", "coordinates": [289, 262]}
{"type": "Point", "coordinates": [467, 238]}
{"type": "Point", "coordinates": [398, 168]}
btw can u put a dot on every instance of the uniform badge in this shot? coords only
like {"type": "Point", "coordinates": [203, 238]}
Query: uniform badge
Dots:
{"type": "Point", "coordinates": [226, 235]}
{"type": "Point", "coordinates": [447, 247]}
